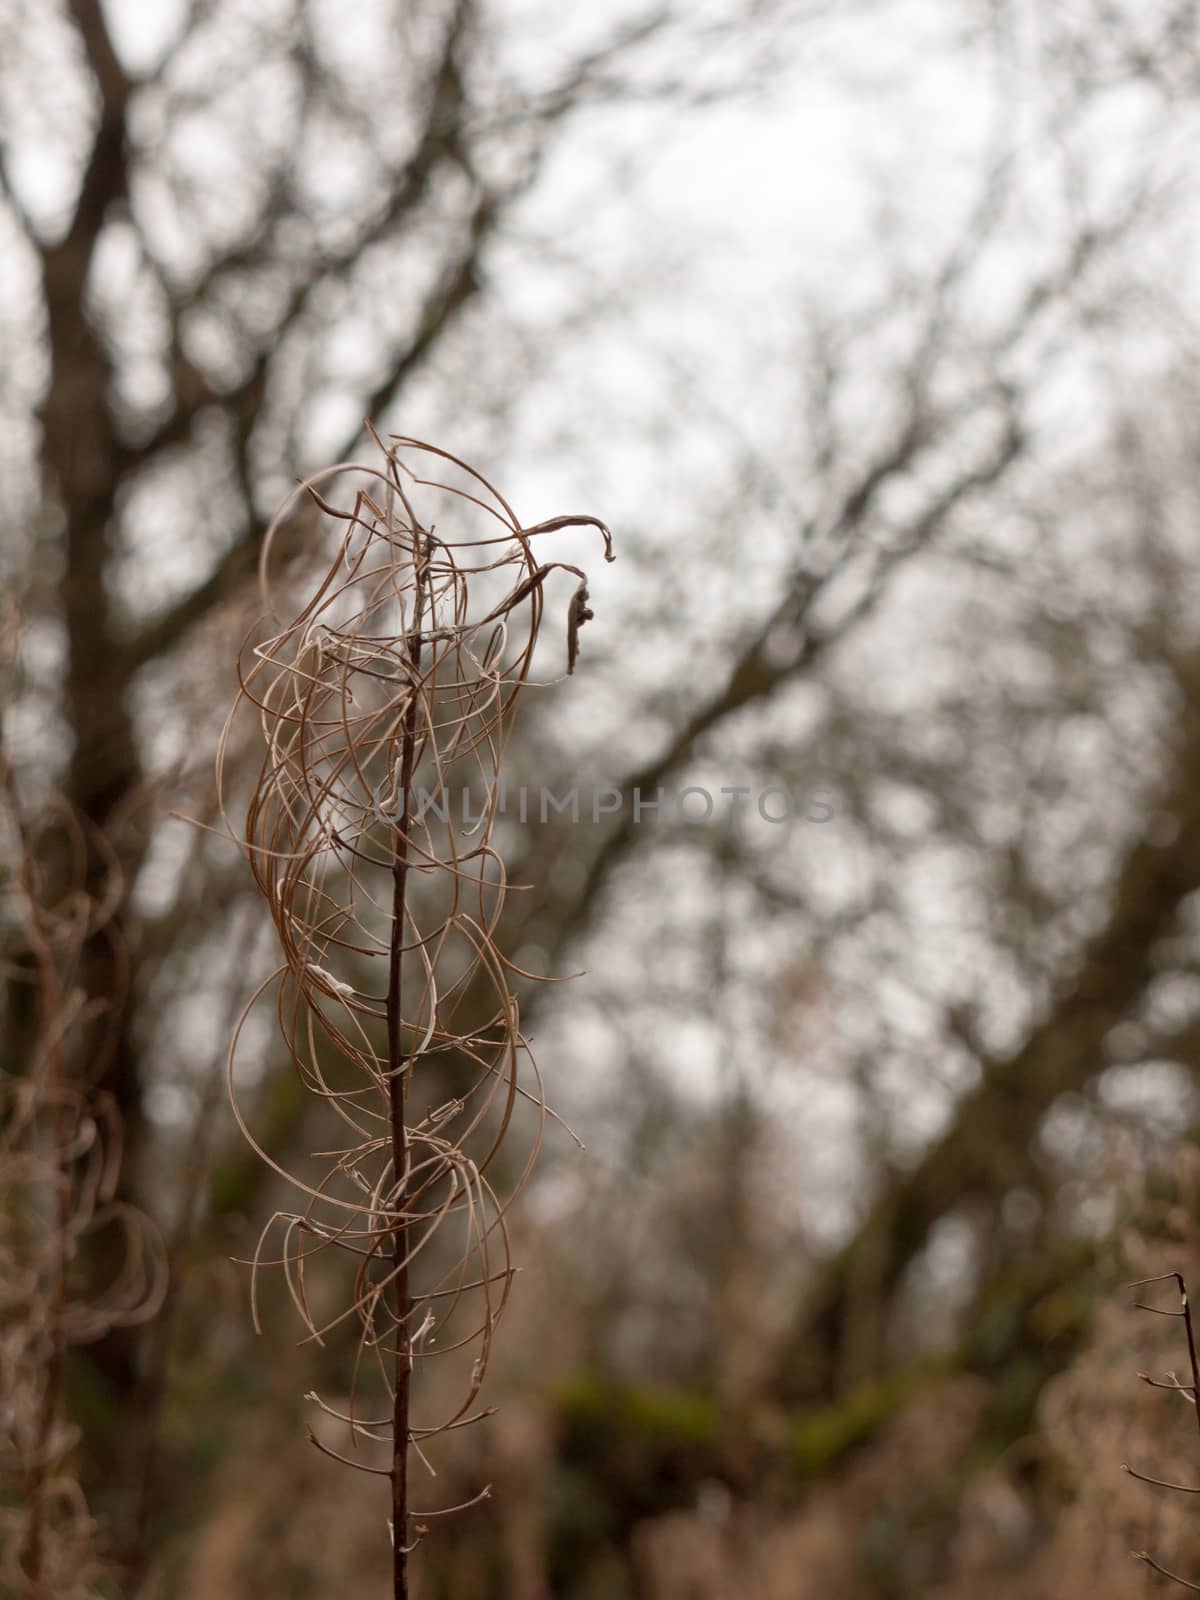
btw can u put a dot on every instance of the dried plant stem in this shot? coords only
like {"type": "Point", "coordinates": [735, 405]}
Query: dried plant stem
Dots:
{"type": "Point", "coordinates": [56, 1355]}
{"type": "Point", "coordinates": [398, 1102]}
{"type": "Point", "coordinates": [59, 1163]}
{"type": "Point", "coordinates": [365, 721]}
{"type": "Point", "coordinates": [50, 1009]}
{"type": "Point", "coordinates": [1190, 1392]}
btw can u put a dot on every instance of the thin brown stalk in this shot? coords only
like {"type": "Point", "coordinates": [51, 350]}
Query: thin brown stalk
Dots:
{"type": "Point", "coordinates": [50, 1008]}
{"type": "Point", "coordinates": [60, 1153]}
{"type": "Point", "coordinates": [398, 1105]}
{"type": "Point", "coordinates": [1188, 1392]}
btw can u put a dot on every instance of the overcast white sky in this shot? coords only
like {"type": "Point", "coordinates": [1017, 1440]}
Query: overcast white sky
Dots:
{"type": "Point", "coordinates": [703, 261]}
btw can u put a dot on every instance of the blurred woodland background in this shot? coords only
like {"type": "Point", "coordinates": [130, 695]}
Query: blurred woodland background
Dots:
{"type": "Point", "coordinates": [870, 327]}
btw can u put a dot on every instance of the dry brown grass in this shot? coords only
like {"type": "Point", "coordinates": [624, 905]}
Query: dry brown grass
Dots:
{"type": "Point", "coordinates": [60, 1156]}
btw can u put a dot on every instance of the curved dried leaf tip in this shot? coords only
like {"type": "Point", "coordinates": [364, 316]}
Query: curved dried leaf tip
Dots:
{"type": "Point", "coordinates": [393, 685]}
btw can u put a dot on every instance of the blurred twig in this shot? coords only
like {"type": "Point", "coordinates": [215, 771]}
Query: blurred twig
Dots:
{"type": "Point", "coordinates": [1189, 1391]}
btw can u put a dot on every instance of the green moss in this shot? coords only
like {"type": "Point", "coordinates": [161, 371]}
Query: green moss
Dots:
{"type": "Point", "coordinates": [625, 1453]}
{"type": "Point", "coordinates": [647, 1411]}
{"type": "Point", "coordinates": [818, 1436]}
{"type": "Point", "coordinates": [607, 1425]}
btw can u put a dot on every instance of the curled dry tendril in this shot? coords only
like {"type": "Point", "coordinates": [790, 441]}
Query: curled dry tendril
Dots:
{"type": "Point", "coordinates": [393, 684]}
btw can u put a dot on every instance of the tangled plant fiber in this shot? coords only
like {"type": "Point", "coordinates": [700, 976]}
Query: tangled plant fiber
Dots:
{"type": "Point", "coordinates": [398, 675]}
{"type": "Point", "coordinates": [60, 1158]}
